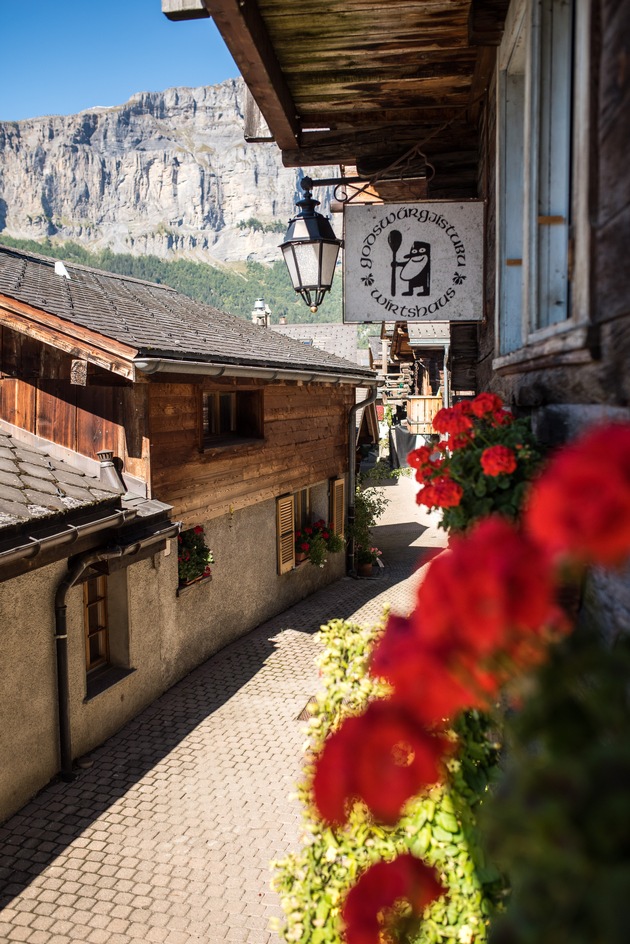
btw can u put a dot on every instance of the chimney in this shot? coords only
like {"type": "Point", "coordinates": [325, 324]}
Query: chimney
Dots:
{"type": "Point", "coordinates": [282, 319]}
{"type": "Point", "coordinates": [261, 313]}
{"type": "Point", "coordinates": [111, 471]}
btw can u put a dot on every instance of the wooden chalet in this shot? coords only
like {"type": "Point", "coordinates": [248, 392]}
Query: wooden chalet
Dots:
{"type": "Point", "coordinates": [129, 412]}
{"type": "Point", "coordinates": [519, 103]}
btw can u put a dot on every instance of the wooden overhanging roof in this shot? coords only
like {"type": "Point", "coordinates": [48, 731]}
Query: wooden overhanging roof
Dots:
{"type": "Point", "coordinates": [362, 82]}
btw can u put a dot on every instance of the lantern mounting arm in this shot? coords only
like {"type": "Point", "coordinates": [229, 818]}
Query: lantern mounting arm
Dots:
{"type": "Point", "coordinates": [345, 188]}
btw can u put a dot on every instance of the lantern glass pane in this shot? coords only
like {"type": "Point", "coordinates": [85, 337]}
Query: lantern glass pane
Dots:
{"type": "Point", "coordinates": [308, 261]}
{"type": "Point", "coordinates": [330, 251]}
{"type": "Point", "coordinates": [289, 258]}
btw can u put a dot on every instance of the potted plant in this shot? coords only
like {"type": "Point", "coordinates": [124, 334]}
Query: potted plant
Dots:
{"type": "Point", "coordinates": [484, 465]}
{"type": "Point", "coordinates": [193, 556]}
{"type": "Point", "coordinates": [366, 558]}
{"type": "Point", "coordinates": [369, 505]}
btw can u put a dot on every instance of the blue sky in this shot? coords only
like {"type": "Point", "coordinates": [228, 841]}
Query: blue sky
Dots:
{"type": "Point", "coordinates": [58, 58]}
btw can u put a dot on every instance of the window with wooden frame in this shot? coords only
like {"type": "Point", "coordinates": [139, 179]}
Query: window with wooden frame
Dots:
{"type": "Point", "coordinates": [95, 622]}
{"type": "Point", "coordinates": [285, 533]}
{"type": "Point", "coordinates": [542, 212]}
{"type": "Point", "coordinates": [302, 508]}
{"type": "Point", "coordinates": [337, 497]}
{"type": "Point", "coordinates": [230, 417]}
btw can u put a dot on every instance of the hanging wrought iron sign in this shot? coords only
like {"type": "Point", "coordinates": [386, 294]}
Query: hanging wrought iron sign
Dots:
{"type": "Point", "coordinates": [414, 262]}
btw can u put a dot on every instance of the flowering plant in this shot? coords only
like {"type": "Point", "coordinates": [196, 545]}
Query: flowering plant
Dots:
{"type": "Point", "coordinates": [368, 555]}
{"type": "Point", "coordinates": [316, 540]}
{"type": "Point", "coordinates": [193, 555]}
{"type": "Point", "coordinates": [487, 613]}
{"type": "Point", "coordinates": [483, 467]}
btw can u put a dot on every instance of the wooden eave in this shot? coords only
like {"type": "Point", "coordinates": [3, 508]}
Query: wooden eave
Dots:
{"type": "Point", "coordinates": [79, 342]}
{"type": "Point", "coordinates": [361, 82]}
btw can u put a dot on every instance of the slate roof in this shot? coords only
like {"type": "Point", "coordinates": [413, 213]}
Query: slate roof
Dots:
{"type": "Point", "coordinates": [339, 339]}
{"type": "Point", "coordinates": [35, 487]}
{"type": "Point", "coordinates": [155, 319]}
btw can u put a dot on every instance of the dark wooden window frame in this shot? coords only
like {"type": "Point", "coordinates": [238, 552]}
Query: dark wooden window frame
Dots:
{"type": "Point", "coordinates": [230, 418]}
{"type": "Point", "coordinates": [95, 622]}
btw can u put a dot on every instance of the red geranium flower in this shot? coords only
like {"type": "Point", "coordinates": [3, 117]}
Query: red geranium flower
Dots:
{"type": "Point", "coordinates": [441, 493]}
{"type": "Point", "coordinates": [460, 440]}
{"type": "Point", "coordinates": [502, 418]}
{"type": "Point", "coordinates": [451, 420]}
{"type": "Point", "coordinates": [383, 757]}
{"type": "Point", "coordinates": [426, 681]}
{"type": "Point", "coordinates": [580, 506]}
{"type": "Point", "coordinates": [418, 458]}
{"type": "Point", "coordinates": [308, 530]}
{"type": "Point", "coordinates": [305, 546]}
{"type": "Point", "coordinates": [498, 460]}
{"type": "Point", "coordinates": [485, 403]}
{"type": "Point", "coordinates": [198, 529]}
{"type": "Point", "coordinates": [493, 587]}
{"type": "Point", "coordinates": [379, 888]}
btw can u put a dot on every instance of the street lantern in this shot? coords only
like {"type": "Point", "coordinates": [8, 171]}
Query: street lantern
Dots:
{"type": "Point", "coordinates": [310, 250]}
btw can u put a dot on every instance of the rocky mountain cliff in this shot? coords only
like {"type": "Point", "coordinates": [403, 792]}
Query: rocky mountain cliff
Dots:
{"type": "Point", "coordinates": [167, 173]}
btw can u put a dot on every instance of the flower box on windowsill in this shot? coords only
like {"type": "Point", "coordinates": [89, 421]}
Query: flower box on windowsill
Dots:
{"type": "Point", "coordinates": [193, 583]}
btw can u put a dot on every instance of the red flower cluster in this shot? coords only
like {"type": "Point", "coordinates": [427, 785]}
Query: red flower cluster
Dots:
{"type": "Point", "coordinates": [485, 611]}
{"type": "Point", "coordinates": [579, 508]}
{"type": "Point", "coordinates": [485, 403]}
{"type": "Point", "coordinates": [379, 888]}
{"type": "Point", "coordinates": [442, 492]}
{"type": "Point", "coordinates": [493, 587]}
{"type": "Point", "coordinates": [498, 459]}
{"type": "Point", "coordinates": [452, 420]}
{"type": "Point", "coordinates": [431, 463]}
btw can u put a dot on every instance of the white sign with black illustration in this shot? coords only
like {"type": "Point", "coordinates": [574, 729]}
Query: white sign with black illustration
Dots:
{"type": "Point", "coordinates": [413, 262]}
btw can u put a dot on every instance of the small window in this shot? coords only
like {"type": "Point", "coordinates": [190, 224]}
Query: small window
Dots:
{"type": "Point", "coordinates": [106, 630]}
{"type": "Point", "coordinates": [96, 623]}
{"type": "Point", "coordinates": [302, 508]}
{"type": "Point", "coordinates": [229, 417]}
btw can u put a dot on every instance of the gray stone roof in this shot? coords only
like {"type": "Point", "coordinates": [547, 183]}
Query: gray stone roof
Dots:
{"type": "Point", "coordinates": [339, 339]}
{"type": "Point", "coordinates": [155, 319]}
{"type": "Point", "coordinates": [35, 487]}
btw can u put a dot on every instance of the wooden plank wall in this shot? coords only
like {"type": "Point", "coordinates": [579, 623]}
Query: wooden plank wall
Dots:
{"type": "Point", "coordinates": [305, 441]}
{"type": "Point", "coordinates": [36, 394]}
{"type": "Point", "coordinates": [598, 373]}
{"type": "Point", "coordinates": [611, 212]}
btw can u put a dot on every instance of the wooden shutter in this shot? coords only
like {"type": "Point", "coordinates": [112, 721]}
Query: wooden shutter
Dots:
{"type": "Point", "coordinates": [338, 505]}
{"type": "Point", "coordinates": [285, 531]}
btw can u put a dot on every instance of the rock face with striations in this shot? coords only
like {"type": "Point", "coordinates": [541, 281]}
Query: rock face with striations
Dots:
{"type": "Point", "coordinates": [167, 173]}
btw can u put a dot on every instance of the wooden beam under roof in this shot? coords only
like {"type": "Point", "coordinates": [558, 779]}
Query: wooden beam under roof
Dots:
{"type": "Point", "coordinates": [184, 10]}
{"type": "Point", "coordinates": [245, 35]}
{"type": "Point", "coordinates": [347, 81]}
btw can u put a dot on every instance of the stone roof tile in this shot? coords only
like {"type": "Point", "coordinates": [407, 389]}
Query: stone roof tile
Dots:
{"type": "Point", "coordinates": [35, 485]}
{"type": "Point", "coordinates": [155, 319]}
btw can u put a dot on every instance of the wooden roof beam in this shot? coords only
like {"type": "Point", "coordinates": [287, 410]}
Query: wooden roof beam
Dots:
{"type": "Point", "coordinates": [247, 39]}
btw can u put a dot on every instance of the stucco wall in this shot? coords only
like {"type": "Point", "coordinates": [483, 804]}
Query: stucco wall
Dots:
{"type": "Point", "coordinates": [28, 704]}
{"type": "Point", "coordinates": [245, 589]}
{"type": "Point", "coordinates": [168, 636]}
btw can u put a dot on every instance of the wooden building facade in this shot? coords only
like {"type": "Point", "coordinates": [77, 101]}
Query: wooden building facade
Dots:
{"type": "Point", "coordinates": [202, 421]}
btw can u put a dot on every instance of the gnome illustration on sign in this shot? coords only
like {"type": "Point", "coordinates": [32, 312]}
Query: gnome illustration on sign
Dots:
{"type": "Point", "coordinates": [415, 269]}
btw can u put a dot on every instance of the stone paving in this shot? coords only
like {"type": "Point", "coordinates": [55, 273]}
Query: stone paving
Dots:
{"type": "Point", "coordinates": [167, 833]}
